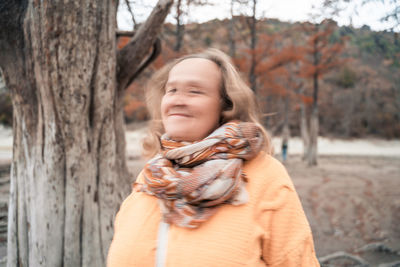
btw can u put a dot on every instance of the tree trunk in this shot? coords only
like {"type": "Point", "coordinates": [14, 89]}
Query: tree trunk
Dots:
{"type": "Point", "coordinates": [304, 130]}
{"type": "Point", "coordinates": [68, 173]}
{"type": "Point", "coordinates": [397, 96]}
{"type": "Point", "coordinates": [350, 112]}
{"type": "Point", "coordinates": [66, 162]}
{"type": "Point", "coordinates": [286, 106]}
{"type": "Point", "coordinates": [253, 44]}
{"type": "Point", "coordinates": [314, 123]}
{"type": "Point", "coordinates": [231, 33]}
{"type": "Point", "coordinates": [312, 151]}
{"type": "Point", "coordinates": [179, 27]}
{"type": "Point", "coordinates": [305, 137]}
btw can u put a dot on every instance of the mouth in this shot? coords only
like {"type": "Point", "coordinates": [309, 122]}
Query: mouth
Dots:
{"type": "Point", "coordinates": [178, 115]}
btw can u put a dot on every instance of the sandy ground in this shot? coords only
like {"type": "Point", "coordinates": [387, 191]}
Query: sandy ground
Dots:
{"type": "Point", "coordinates": [352, 198]}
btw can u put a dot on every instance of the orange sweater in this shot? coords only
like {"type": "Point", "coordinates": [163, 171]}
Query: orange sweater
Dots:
{"type": "Point", "coordinates": [270, 230]}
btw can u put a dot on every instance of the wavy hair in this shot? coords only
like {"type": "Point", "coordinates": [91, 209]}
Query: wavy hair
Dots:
{"type": "Point", "coordinates": [238, 99]}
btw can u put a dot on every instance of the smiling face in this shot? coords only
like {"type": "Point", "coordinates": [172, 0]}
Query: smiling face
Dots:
{"type": "Point", "coordinates": [191, 106]}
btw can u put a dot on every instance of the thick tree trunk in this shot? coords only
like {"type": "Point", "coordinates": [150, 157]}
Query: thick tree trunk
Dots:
{"type": "Point", "coordinates": [68, 172]}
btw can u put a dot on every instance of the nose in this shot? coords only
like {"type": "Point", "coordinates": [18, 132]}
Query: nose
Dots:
{"type": "Point", "coordinates": [178, 99]}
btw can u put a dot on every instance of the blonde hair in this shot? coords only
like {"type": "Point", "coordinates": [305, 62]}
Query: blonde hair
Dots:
{"type": "Point", "coordinates": [238, 99]}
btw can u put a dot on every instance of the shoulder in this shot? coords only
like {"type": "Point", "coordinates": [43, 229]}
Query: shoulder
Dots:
{"type": "Point", "coordinates": [267, 170]}
{"type": "Point", "coordinates": [268, 180]}
{"type": "Point", "coordinates": [135, 186]}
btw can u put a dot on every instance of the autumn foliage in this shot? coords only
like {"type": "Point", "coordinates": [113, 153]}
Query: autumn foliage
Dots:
{"type": "Point", "coordinates": [311, 64]}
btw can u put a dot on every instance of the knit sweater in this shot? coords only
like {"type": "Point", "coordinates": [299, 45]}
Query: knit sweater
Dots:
{"type": "Point", "coordinates": [270, 230]}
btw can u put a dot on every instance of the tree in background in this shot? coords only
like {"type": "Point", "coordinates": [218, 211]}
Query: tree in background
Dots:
{"type": "Point", "coordinates": [271, 56]}
{"type": "Point", "coordinates": [181, 8]}
{"type": "Point", "coordinates": [247, 29]}
{"type": "Point", "coordinates": [252, 24]}
{"type": "Point", "coordinates": [231, 31]}
{"type": "Point", "coordinates": [67, 81]}
{"type": "Point", "coordinates": [393, 15]}
{"type": "Point", "coordinates": [320, 56]}
{"type": "Point", "coordinates": [277, 79]}
{"type": "Point", "coordinates": [374, 49]}
{"type": "Point", "coordinates": [129, 4]}
{"type": "Point", "coordinates": [293, 85]}
{"type": "Point", "coordinates": [180, 28]}
{"type": "Point", "coordinates": [335, 7]}
{"type": "Point", "coordinates": [180, 11]}
{"type": "Point", "coordinates": [232, 25]}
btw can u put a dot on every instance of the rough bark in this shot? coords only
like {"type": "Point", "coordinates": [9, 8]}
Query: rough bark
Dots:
{"type": "Point", "coordinates": [68, 172]}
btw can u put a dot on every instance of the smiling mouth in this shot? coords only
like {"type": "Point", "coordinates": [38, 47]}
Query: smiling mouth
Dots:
{"type": "Point", "coordinates": [178, 114]}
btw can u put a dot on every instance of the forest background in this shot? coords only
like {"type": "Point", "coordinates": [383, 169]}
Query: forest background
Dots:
{"type": "Point", "coordinates": [345, 77]}
{"type": "Point", "coordinates": [360, 97]}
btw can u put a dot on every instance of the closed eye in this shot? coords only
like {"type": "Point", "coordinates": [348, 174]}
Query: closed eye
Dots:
{"type": "Point", "coordinates": [195, 91]}
{"type": "Point", "coordinates": [171, 90]}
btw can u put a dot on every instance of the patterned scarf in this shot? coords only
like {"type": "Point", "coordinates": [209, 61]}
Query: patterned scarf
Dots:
{"type": "Point", "coordinates": [192, 180]}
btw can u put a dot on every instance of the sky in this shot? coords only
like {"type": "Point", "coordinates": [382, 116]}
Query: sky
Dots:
{"type": "Point", "coordinates": [285, 10]}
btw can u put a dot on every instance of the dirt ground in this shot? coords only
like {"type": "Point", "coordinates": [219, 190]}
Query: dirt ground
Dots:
{"type": "Point", "coordinates": [352, 203]}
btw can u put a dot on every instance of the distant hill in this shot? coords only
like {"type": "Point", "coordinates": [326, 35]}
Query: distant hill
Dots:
{"type": "Point", "coordinates": [359, 98]}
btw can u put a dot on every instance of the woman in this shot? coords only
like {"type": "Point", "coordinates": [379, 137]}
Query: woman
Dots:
{"type": "Point", "coordinates": [212, 194]}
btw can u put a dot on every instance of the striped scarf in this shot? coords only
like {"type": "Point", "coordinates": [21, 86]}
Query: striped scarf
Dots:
{"type": "Point", "coordinates": [192, 180]}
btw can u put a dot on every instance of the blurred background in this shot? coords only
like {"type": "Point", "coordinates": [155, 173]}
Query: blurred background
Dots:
{"type": "Point", "coordinates": [327, 78]}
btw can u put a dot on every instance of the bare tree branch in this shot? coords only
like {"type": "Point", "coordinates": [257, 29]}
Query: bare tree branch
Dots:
{"type": "Point", "coordinates": [130, 58]}
{"type": "Point", "coordinates": [125, 33]}
{"type": "Point", "coordinates": [154, 54]}
{"type": "Point", "coordinates": [128, 5]}
{"type": "Point", "coordinates": [340, 254]}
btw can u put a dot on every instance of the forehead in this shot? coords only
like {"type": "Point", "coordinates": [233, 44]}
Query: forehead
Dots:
{"type": "Point", "coordinates": [195, 70]}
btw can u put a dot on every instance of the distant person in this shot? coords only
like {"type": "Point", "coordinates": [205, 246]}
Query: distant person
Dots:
{"type": "Point", "coordinates": [212, 194]}
{"type": "Point", "coordinates": [285, 143]}
{"type": "Point", "coordinates": [284, 150]}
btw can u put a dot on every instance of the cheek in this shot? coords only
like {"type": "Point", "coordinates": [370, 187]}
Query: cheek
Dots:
{"type": "Point", "coordinates": [217, 109]}
{"type": "Point", "coordinates": [164, 106]}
